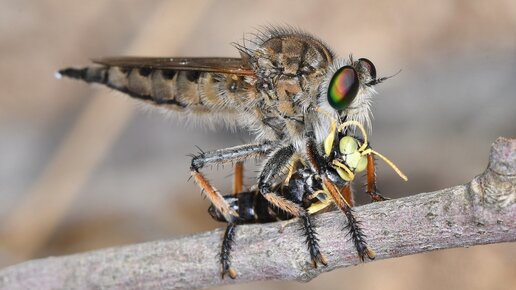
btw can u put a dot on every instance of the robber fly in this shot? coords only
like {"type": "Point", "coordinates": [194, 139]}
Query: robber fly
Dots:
{"type": "Point", "coordinates": [344, 156]}
{"type": "Point", "coordinates": [286, 88]}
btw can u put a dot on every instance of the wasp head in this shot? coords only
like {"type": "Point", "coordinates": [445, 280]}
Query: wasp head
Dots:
{"type": "Point", "coordinates": [345, 153]}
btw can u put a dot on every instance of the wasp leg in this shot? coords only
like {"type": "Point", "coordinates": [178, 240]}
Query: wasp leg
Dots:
{"type": "Point", "coordinates": [353, 225]}
{"type": "Point", "coordinates": [221, 156]}
{"type": "Point", "coordinates": [371, 180]}
{"type": "Point", "coordinates": [225, 252]}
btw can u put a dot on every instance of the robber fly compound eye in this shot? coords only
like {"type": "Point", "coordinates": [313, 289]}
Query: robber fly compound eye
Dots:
{"type": "Point", "coordinates": [343, 88]}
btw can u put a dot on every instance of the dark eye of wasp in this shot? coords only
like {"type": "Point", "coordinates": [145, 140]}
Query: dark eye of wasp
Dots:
{"type": "Point", "coordinates": [369, 66]}
{"type": "Point", "coordinates": [343, 87]}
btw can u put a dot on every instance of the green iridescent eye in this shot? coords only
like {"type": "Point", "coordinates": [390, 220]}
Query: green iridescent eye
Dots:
{"type": "Point", "coordinates": [343, 88]}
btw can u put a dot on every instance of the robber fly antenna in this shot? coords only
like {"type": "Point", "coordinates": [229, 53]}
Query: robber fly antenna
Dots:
{"type": "Point", "coordinates": [381, 80]}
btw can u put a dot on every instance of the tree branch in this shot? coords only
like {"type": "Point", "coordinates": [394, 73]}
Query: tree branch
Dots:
{"type": "Point", "coordinates": [480, 212]}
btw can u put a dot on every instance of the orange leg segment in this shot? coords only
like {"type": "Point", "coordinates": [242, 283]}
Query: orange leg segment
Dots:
{"type": "Point", "coordinates": [238, 182]}
{"type": "Point", "coordinates": [347, 194]}
{"type": "Point", "coordinates": [214, 196]}
{"type": "Point", "coordinates": [371, 179]}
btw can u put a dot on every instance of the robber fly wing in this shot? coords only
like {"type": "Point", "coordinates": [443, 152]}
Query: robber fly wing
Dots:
{"type": "Point", "coordinates": [234, 66]}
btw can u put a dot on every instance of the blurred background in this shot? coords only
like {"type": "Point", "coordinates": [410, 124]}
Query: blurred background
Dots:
{"type": "Point", "coordinates": [82, 167]}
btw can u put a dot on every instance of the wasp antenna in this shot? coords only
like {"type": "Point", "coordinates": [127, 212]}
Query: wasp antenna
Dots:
{"type": "Point", "coordinates": [391, 164]}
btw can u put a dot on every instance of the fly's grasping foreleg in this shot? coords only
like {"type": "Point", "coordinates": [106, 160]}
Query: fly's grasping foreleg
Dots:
{"type": "Point", "coordinates": [221, 156]}
{"type": "Point", "coordinates": [229, 234]}
{"type": "Point", "coordinates": [225, 252]}
{"type": "Point", "coordinates": [318, 165]}
{"type": "Point", "coordinates": [234, 154]}
{"type": "Point", "coordinates": [274, 166]}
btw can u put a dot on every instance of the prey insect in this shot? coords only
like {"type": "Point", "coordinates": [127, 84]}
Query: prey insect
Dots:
{"type": "Point", "coordinates": [344, 157]}
{"type": "Point", "coordinates": [277, 89]}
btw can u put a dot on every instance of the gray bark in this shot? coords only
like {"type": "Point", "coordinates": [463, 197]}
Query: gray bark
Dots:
{"type": "Point", "coordinates": [480, 212]}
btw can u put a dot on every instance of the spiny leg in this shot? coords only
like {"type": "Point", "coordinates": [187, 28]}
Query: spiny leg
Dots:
{"type": "Point", "coordinates": [312, 241]}
{"type": "Point", "coordinates": [228, 240]}
{"type": "Point", "coordinates": [221, 156]}
{"type": "Point", "coordinates": [225, 252]}
{"type": "Point", "coordinates": [275, 164]}
{"type": "Point", "coordinates": [353, 226]}
{"type": "Point", "coordinates": [317, 162]}
{"type": "Point", "coordinates": [356, 233]}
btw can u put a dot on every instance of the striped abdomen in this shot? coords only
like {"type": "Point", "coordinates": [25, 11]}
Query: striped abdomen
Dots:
{"type": "Point", "coordinates": [185, 91]}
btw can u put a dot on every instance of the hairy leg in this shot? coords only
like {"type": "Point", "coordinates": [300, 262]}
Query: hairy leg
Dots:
{"type": "Point", "coordinates": [221, 156]}
{"type": "Point", "coordinates": [319, 166]}
{"type": "Point", "coordinates": [274, 166]}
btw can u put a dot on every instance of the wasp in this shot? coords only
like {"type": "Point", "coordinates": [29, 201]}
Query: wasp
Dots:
{"type": "Point", "coordinates": [286, 87]}
{"type": "Point", "coordinates": [344, 156]}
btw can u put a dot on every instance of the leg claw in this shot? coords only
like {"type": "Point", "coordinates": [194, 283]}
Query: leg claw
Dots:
{"type": "Point", "coordinates": [375, 197]}
{"type": "Point", "coordinates": [230, 271]}
{"type": "Point", "coordinates": [319, 258]}
{"type": "Point", "coordinates": [366, 252]}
